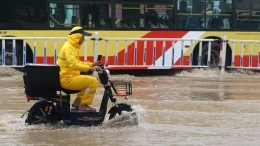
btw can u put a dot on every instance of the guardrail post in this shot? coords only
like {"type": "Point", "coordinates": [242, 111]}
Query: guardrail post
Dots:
{"type": "Point", "coordinates": [14, 52]}
{"type": "Point", "coordinates": [24, 53]}
{"type": "Point", "coordinates": [222, 57]}
{"type": "Point", "coordinates": [95, 55]}
{"type": "Point", "coordinates": [96, 37]}
{"type": "Point", "coordinates": [3, 52]}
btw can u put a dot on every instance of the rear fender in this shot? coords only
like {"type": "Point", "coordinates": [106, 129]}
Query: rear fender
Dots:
{"type": "Point", "coordinates": [39, 104]}
{"type": "Point", "coordinates": [44, 117]}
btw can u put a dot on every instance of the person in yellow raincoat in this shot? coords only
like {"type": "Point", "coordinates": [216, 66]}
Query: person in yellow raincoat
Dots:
{"type": "Point", "coordinates": [71, 66]}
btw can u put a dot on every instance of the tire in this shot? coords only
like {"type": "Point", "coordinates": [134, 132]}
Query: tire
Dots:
{"type": "Point", "coordinates": [215, 54]}
{"type": "Point", "coordinates": [214, 57]}
{"type": "Point", "coordinates": [9, 55]}
{"type": "Point", "coordinates": [122, 108]}
{"type": "Point", "coordinates": [38, 113]}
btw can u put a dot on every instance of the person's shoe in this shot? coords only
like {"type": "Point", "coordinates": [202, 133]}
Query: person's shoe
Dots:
{"type": "Point", "coordinates": [76, 103]}
{"type": "Point", "coordinates": [84, 107]}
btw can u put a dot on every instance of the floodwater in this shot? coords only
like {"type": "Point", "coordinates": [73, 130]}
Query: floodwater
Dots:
{"type": "Point", "coordinates": [185, 108]}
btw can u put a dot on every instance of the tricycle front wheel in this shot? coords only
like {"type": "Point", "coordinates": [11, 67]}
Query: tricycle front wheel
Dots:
{"type": "Point", "coordinates": [122, 108]}
{"type": "Point", "coordinates": [123, 112]}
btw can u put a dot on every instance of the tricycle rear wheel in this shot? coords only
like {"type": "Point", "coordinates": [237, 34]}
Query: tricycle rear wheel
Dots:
{"type": "Point", "coordinates": [42, 112]}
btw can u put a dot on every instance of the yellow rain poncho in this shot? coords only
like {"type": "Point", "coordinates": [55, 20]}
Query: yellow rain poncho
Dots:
{"type": "Point", "coordinates": [71, 66]}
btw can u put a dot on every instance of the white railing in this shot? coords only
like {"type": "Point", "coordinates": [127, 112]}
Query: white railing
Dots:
{"type": "Point", "coordinates": [168, 58]}
{"type": "Point", "coordinates": [244, 48]}
{"type": "Point", "coordinates": [241, 47]}
{"type": "Point", "coordinates": [171, 56]}
{"type": "Point", "coordinates": [34, 48]}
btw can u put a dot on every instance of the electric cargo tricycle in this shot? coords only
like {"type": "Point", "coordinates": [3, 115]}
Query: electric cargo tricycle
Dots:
{"type": "Point", "coordinates": [53, 102]}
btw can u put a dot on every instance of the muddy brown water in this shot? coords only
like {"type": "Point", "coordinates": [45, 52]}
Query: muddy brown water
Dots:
{"type": "Point", "coordinates": [185, 108]}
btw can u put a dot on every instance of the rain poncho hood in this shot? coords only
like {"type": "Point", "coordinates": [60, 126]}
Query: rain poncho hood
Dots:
{"type": "Point", "coordinates": [76, 34]}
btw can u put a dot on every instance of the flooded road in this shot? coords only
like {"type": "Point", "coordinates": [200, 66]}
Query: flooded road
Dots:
{"type": "Point", "coordinates": [185, 108]}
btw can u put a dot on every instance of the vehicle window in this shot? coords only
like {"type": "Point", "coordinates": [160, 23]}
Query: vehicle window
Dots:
{"type": "Point", "coordinates": [64, 15]}
{"type": "Point", "coordinates": [97, 16]}
{"type": "Point", "coordinates": [144, 16]}
{"type": "Point", "coordinates": [23, 15]}
{"type": "Point", "coordinates": [199, 14]}
{"type": "Point", "coordinates": [248, 15]}
{"type": "Point", "coordinates": [92, 15]}
{"type": "Point", "coordinates": [127, 16]}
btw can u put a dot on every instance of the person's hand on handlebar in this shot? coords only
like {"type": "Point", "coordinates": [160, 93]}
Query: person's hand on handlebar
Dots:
{"type": "Point", "coordinates": [95, 68]}
{"type": "Point", "coordinates": [96, 63]}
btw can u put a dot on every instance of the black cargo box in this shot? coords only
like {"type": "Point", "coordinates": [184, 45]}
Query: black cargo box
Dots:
{"type": "Point", "coordinates": [41, 79]}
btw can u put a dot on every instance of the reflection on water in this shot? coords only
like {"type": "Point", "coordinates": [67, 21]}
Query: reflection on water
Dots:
{"type": "Point", "coordinates": [183, 108]}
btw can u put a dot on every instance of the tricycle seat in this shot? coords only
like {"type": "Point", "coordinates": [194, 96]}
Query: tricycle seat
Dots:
{"type": "Point", "coordinates": [69, 91]}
